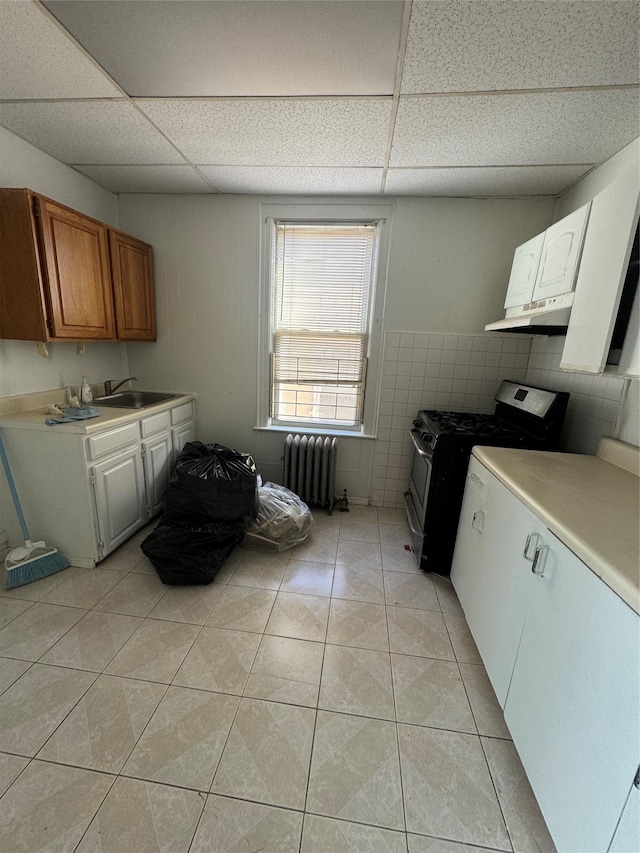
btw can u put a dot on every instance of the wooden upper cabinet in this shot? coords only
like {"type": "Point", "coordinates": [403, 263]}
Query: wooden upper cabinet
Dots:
{"type": "Point", "coordinates": [77, 264]}
{"type": "Point", "coordinates": [132, 270]}
{"type": "Point", "coordinates": [65, 276]}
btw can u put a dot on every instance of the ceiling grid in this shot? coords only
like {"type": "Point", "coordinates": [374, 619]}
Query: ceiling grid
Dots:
{"type": "Point", "coordinates": [354, 97]}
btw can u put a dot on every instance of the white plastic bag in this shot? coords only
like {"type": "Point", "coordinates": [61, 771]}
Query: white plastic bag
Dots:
{"type": "Point", "coordinates": [283, 520]}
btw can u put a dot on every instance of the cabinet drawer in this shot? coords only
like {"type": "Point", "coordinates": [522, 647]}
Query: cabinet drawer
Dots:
{"type": "Point", "coordinates": [155, 423]}
{"type": "Point", "coordinates": [108, 442]}
{"type": "Point", "coordinates": [182, 413]}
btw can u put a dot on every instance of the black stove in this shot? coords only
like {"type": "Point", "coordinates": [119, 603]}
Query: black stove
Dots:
{"type": "Point", "coordinates": [525, 416]}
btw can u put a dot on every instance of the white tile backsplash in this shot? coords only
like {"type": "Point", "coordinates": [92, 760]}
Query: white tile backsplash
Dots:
{"type": "Point", "coordinates": [433, 370]}
{"type": "Point", "coordinates": [463, 372]}
{"type": "Point", "coordinates": [594, 401]}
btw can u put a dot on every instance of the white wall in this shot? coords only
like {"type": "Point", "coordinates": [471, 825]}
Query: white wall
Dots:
{"type": "Point", "coordinates": [448, 271]}
{"type": "Point", "coordinates": [22, 370]}
{"type": "Point", "coordinates": [600, 405]}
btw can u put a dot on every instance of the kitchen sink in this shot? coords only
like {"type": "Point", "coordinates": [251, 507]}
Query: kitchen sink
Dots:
{"type": "Point", "coordinates": [134, 399]}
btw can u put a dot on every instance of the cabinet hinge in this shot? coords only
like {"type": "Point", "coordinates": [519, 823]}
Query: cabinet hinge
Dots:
{"type": "Point", "coordinates": [148, 511]}
{"type": "Point", "coordinates": [143, 453]}
{"type": "Point", "coordinates": [636, 781]}
{"type": "Point", "coordinates": [50, 325]}
{"type": "Point", "coordinates": [92, 479]}
{"type": "Point", "coordinates": [101, 546]}
{"type": "Point", "coordinates": [36, 208]}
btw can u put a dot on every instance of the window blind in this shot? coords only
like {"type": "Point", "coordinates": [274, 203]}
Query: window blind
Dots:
{"type": "Point", "coordinates": [320, 314]}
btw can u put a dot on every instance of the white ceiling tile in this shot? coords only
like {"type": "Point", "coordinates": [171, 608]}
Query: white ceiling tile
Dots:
{"type": "Point", "coordinates": [89, 132]}
{"type": "Point", "coordinates": [240, 48]}
{"type": "Point", "coordinates": [523, 129]}
{"type": "Point", "coordinates": [284, 181]}
{"type": "Point", "coordinates": [39, 60]}
{"type": "Point", "coordinates": [479, 181]}
{"type": "Point", "coordinates": [148, 179]}
{"type": "Point", "coordinates": [498, 44]}
{"type": "Point", "coordinates": [276, 132]}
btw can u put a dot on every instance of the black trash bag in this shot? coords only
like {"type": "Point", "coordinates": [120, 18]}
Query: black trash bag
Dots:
{"type": "Point", "coordinates": [183, 555]}
{"type": "Point", "coordinates": [211, 482]}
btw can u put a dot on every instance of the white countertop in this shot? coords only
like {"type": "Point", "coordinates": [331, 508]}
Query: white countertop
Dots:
{"type": "Point", "coordinates": [591, 505]}
{"type": "Point", "coordinates": [110, 417]}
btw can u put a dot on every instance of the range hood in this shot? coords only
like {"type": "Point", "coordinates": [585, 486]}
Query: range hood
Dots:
{"type": "Point", "coordinates": [546, 317]}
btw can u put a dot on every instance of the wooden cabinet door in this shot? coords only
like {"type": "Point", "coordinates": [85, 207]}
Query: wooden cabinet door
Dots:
{"type": "Point", "coordinates": [120, 497]}
{"type": "Point", "coordinates": [561, 255]}
{"type": "Point", "coordinates": [572, 707]}
{"type": "Point", "coordinates": [526, 261]}
{"type": "Point", "coordinates": [132, 269]}
{"type": "Point", "coordinates": [76, 258]}
{"type": "Point", "coordinates": [491, 572]}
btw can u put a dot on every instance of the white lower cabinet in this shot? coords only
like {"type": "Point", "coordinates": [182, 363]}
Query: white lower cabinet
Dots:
{"type": "Point", "coordinates": [180, 435]}
{"type": "Point", "coordinates": [85, 494]}
{"type": "Point", "coordinates": [626, 838]}
{"type": "Point", "coordinates": [563, 653]}
{"type": "Point", "coordinates": [119, 490]}
{"type": "Point", "coordinates": [157, 455]}
{"type": "Point", "coordinates": [490, 556]}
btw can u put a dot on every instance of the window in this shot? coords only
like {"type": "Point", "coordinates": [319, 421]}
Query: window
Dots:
{"type": "Point", "coordinates": [323, 282]}
{"type": "Point", "coordinates": [320, 308]}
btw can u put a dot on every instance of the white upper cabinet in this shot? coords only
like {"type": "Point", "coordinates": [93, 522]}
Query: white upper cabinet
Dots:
{"type": "Point", "coordinates": [560, 258]}
{"type": "Point", "coordinates": [603, 269]}
{"type": "Point", "coordinates": [526, 261]}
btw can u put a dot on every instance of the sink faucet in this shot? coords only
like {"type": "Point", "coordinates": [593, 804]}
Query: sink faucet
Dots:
{"type": "Point", "coordinates": [110, 388]}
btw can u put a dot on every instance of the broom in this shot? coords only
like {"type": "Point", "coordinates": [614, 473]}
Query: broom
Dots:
{"type": "Point", "coordinates": [35, 560]}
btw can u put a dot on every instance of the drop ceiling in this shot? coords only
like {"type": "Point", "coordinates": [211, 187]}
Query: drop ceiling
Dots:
{"type": "Point", "coordinates": [376, 97]}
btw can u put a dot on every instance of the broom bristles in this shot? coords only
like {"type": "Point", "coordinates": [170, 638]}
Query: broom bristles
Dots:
{"type": "Point", "coordinates": [35, 569]}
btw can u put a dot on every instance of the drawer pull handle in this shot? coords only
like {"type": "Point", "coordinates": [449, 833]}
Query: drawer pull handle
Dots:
{"type": "Point", "coordinates": [532, 539]}
{"type": "Point", "coordinates": [537, 567]}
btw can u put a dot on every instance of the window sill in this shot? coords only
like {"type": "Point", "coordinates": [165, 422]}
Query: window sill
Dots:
{"type": "Point", "coordinates": [310, 429]}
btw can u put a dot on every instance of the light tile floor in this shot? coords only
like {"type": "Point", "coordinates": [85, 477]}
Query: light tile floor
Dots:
{"type": "Point", "coordinates": [325, 700]}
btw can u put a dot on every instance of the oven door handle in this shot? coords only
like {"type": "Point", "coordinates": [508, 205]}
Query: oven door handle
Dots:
{"type": "Point", "coordinates": [415, 438]}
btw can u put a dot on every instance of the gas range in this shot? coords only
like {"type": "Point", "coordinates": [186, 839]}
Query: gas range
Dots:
{"type": "Point", "coordinates": [434, 425]}
{"type": "Point", "coordinates": [525, 416]}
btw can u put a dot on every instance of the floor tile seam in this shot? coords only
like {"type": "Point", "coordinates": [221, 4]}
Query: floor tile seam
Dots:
{"type": "Point", "coordinates": [95, 769]}
{"type": "Point", "coordinates": [28, 760]}
{"type": "Point", "coordinates": [395, 711]}
{"type": "Point", "coordinates": [455, 841]}
{"type": "Point", "coordinates": [497, 795]}
{"type": "Point", "coordinates": [358, 822]}
{"type": "Point", "coordinates": [171, 683]}
{"type": "Point", "coordinates": [256, 768]}
{"type": "Point", "coordinates": [421, 609]}
{"type": "Point", "coordinates": [22, 612]}
{"type": "Point", "coordinates": [468, 694]}
{"type": "Point", "coordinates": [49, 647]}
{"type": "Point", "coordinates": [475, 786]}
{"type": "Point", "coordinates": [30, 662]}
{"type": "Point", "coordinates": [313, 735]}
{"type": "Point", "coordinates": [450, 635]}
{"type": "Point", "coordinates": [114, 777]}
{"type": "Point", "coordinates": [226, 740]}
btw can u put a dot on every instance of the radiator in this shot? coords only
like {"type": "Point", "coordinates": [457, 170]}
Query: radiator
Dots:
{"type": "Point", "coordinates": [310, 468]}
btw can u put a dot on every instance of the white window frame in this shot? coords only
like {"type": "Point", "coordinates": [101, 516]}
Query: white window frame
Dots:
{"type": "Point", "coordinates": [350, 212]}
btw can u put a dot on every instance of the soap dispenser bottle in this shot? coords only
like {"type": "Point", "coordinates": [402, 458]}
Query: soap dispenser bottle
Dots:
{"type": "Point", "coordinates": [85, 391]}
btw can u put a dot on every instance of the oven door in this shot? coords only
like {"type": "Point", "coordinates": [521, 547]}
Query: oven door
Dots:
{"type": "Point", "coordinates": [415, 498]}
{"type": "Point", "coordinates": [420, 476]}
